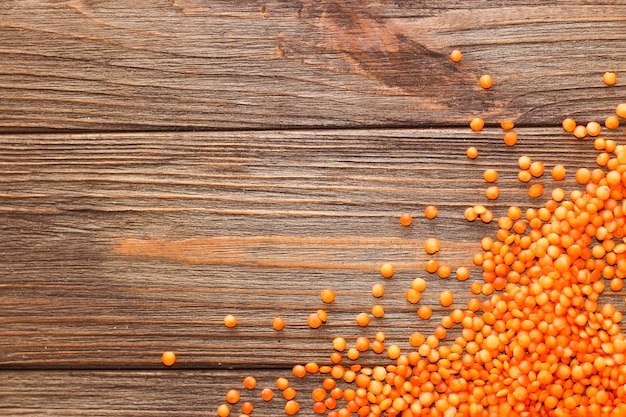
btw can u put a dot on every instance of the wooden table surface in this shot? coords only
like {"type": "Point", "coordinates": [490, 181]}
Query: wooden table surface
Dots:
{"type": "Point", "coordinates": [165, 163]}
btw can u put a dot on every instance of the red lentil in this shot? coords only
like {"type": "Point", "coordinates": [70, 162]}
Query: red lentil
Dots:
{"type": "Point", "coordinates": [609, 78]}
{"type": "Point", "coordinates": [490, 175]}
{"type": "Point", "coordinates": [485, 81]}
{"type": "Point", "coordinates": [250, 383]}
{"type": "Point", "coordinates": [430, 212]}
{"type": "Point", "coordinates": [456, 55]}
{"type": "Point", "coordinates": [328, 296]}
{"type": "Point", "coordinates": [386, 270]}
{"type": "Point", "coordinates": [230, 321]}
{"type": "Point", "coordinates": [168, 358]}
{"type": "Point", "coordinates": [432, 245]}
{"type": "Point", "coordinates": [477, 124]}
{"type": "Point", "coordinates": [233, 396]}
{"type": "Point", "coordinates": [406, 219]}
{"type": "Point", "coordinates": [278, 323]}
{"type": "Point", "coordinates": [472, 152]}
{"type": "Point", "coordinates": [267, 394]}
{"type": "Point", "coordinates": [510, 138]}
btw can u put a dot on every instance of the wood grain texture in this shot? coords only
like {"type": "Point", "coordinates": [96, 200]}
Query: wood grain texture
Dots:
{"type": "Point", "coordinates": [117, 247]}
{"type": "Point", "coordinates": [188, 65]}
{"type": "Point", "coordinates": [139, 393]}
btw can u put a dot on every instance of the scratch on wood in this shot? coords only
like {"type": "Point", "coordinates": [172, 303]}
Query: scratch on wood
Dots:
{"type": "Point", "coordinates": [345, 253]}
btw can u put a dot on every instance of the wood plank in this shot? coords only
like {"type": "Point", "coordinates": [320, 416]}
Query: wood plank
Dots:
{"type": "Point", "coordinates": [162, 65]}
{"type": "Point", "coordinates": [117, 247]}
{"type": "Point", "coordinates": [154, 393]}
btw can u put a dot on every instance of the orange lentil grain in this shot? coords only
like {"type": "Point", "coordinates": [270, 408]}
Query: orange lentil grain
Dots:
{"type": "Point", "coordinates": [362, 343]}
{"type": "Point", "coordinates": [472, 152]}
{"type": "Point", "coordinates": [477, 124]}
{"type": "Point", "coordinates": [267, 394]}
{"type": "Point", "coordinates": [524, 162]}
{"type": "Point", "coordinates": [510, 138]}
{"type": "Point", "coordinates": [593, 128]}
{"type": "Point", "coordinates": [431, 266]}
{"type": "Point", "coordinates": [507, 124]}
{"type": "Point", "coordinates": [406, 219]}
{"type": "Point", "coordinates": [223, 410]}
{"type": "Point", "coordinates": [580, 132]}
{"type": "Point", "coordinates": [492, 192]}
{"type": "Point", "coordinates": [419, 284]}
{"type": "Point", "coordinates": [299, 371]}
{"type": "Point", "coordinates": [432, 245]}
{"type": "Point", "coordinates": [446, 298]}
{"type": "Point", "coordinates": [524, 176]}
{"type": "Point", "coordinates": [430, 212]}
{"type": "Point", "coordinates": [339, 344]}
{"type": "Point", "coordinates": [611, 122]}
{"type": "Point", "coordinates": [444, 271]}
{"type": "Point", "coordinates": [378, 290]}
{"type": "Point", "coordinates": [328, 296]}
{"type": "Point", "coordinates": [558, 172]}
{"type": "Point", "coordinates": [168, 358]}
{"type": "Point", "coordinates": [609, 78]}
{"type": "Point", "coordinates": [282, 383]}
{"type": "Point", "coordinates": [490, 175]}
{"type": "Point", "coordinates": [569, 125]}
{"type": "Point", "coordinates": [424, 312]}
{"type": "Point", "coordinates": [278, 323]}
{"type": "Point", "coordinates": [456, 55]}
{"type": "Point", "coordinates": [363, 319]}
{"type": "Point", "coordinates": [314, 321]}
{"type": "Point", "coordinates": [462, 273]}
{"type": "Point", "coordinates": [485, 81]}
{"type": "Point", "coordinates": [536, 169]}
{"type": "Point", "coordinates": [247, 407]}
{"type": "Point", "coordinates": [583, 176]}
{"type": "Point", "coordinates": [412, 296]}
{"type": "Point", "coordinates": [233, 396]}
{"type": "Point", "coordinates": [535, 190]}
{"type": "Point", "coordinates": [386, 270]}
{"type": "Point", "coordinates": [378, 311]}
{"type": "Point", "coordinates": [230, 321]}
{"type": "Point", "coordinates": [249, 382]}
{"type": "Point", "coordinates": [291, 407]}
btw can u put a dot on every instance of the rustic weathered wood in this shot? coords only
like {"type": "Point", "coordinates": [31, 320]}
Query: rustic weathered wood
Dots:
{"type": "Point", "coordinates": [140, 393]}
{"type": "Point", "coordinates": [188, 64]}
{"type": "Point", "coordinates": [116, 247]}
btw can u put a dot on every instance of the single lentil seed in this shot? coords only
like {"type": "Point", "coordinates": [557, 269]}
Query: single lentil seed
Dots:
{"type": "Point", "coordinates": [456, 55]}
{"type": "Point", "coordinates": [485, 81]}
{"type": "Point", "coordinates": [168, 358]}
{"type": "Point", "coordinates": [406, 219]}
{"type": "Point", "coordinates": [609, 78]}
{"type": "Point", "coordinates": [477, 124]}
{"type": "Point", "coordinates": [386, 270]}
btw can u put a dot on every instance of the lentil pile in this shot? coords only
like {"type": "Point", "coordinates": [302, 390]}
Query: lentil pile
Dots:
{"type": "Point", "coordinates": [537, 342]}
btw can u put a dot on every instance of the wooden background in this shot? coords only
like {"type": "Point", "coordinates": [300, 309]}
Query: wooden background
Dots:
{"type": "Point", "coordinates": [165, 163]}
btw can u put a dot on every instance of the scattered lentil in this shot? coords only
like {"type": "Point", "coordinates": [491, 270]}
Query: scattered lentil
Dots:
{"type": "Point", "coordinates": [430, 212]}
{"type": "Point", "coordinates": [609, 78]}
{"type": "Point", "coordinates": [278, 323]}
{"type": "Point", "coordinates": [406, 219]}
{"type": "Point", "coordinates": [168, 358]}
{"type": "Point", "coordinates": [485, 81]}
{"type": "Point", "coordinates": [230, 321]}
{"type": "Point", "coordinates": [456, 55]}
{"type": "Point", "coordinates": [472, 152]}
{"type": "Point", "coordinates": [328, 296]}
{"type": "Point", "coordinates": [386, 270]}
